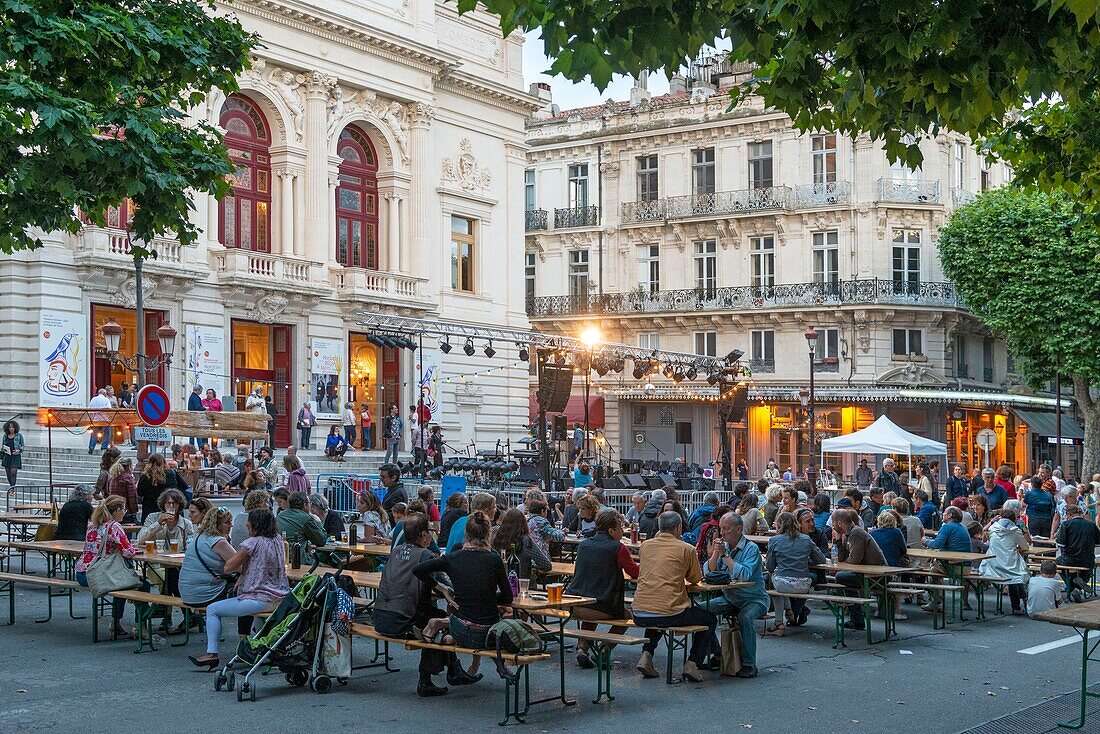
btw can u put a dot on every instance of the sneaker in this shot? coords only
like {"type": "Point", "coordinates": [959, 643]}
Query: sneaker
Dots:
{"type": "Point", "coordinates": [691, 672]}
{"type": "Point", "coordinates": [929, 608]}
{"type": "Point", "coordinates": [583, 661]}
{"type": "Point", "coordinates": [645, 666]}
{"type": "Point", "coordinates": [900, 616]}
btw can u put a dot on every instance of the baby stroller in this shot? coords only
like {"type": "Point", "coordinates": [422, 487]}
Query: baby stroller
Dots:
{"type": "Point", "coordinates": [291, 638]}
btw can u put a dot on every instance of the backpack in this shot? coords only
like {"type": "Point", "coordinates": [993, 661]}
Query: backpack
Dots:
{"type": "Point", "coordinates": [513, 636]}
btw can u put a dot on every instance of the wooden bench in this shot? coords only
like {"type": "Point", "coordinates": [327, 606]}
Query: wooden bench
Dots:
{"type": "Point", "coordinates": [50, 583]}
{"type": "Point", "coordinates": [511, 681]}
{"type": "Point", "coordinates": [939, 612]}
{"type": "Point", "coordinates": [998, 585]}
{"type": "Point", "coordinates": [835, 603]}
{"type": "Point", "coordinates": [145, 603]}
{"type": "Point", "coordinates": [602, 643]}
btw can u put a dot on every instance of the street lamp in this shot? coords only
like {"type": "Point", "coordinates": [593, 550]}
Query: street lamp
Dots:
{"type": "Point", "coordinates": [811, 342]}
{"type": "Point", "coordinates": [112, 338]}
{"type": "Point", "coordinates": [590, 337]}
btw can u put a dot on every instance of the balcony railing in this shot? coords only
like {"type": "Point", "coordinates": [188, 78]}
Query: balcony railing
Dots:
{"type": "Point", "coordinates": [987, 374]}
{"type": "Point", "coordinates": [359, 283]}
{"type": "Point", "coordinates": [750, 298]}
{"type": "Point", "coordinates": [961, 197]}
{"type": "Point", "coordinates": [908, 191]}
{"type": "Point", "coordinates": [823, 194]}
{"type": "Point", "coordinates": [261, 268]}
{"type": "Point", "coordinates": [829, 364]}
{"type": "Point", "coordinates": [111, 243]}
{"type": "Point", "coordinates": [962, 371]}
{"type": "Point", "coordinates": [762, 365]}
{"type": "Point", "coordinates": [534, 220]}
{"type": "Point", "coordinates": [578, 216]}
{"type": "Point", "coordinates": [728, 202]}
{"type": "Point", "coordinates": [642, 211]}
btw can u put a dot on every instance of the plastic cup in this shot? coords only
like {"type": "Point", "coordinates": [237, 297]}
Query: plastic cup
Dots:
{"type": "Point", "coordinates": [524, 588]}
{"type": "Point", "coordinates": [150, 547]}
{"type": "Point", "coordinates": [554, 592]}
{"type": "Point", "coordinates": [174, 544]}
{"type": "Point", "coordinates": [162, 546]}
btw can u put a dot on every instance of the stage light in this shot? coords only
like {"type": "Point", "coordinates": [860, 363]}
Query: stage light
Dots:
{"type": "Point", "coordinates": [591, 336]}
{"type": "Point", "coordinates": [667, 371]}
{"type": "Point", "coordinates": [692, 373]}
{"type": "Point", "coordinates": [678, 374]}
{"type": "Point", "coordinates": [469, 348]}
{"type": "Point", "coordinates": [445, 346]}
{"type": "Point", "coordinates": [489, 351]}
{"type": "Point", "coordinates": [524, 355]}
{"type": "Point", "coordinates": [712, 378]}
{"type": "Point", "coordinates": [734, 356]}
{"type": "Point", "coordinates": [639, 371]}
{"type": "Point", "coordinates": [601, 367]}
{"type": "Point", "coordinates": [410, 345]}
{"type": "Point", "coordinates": [617, 364]}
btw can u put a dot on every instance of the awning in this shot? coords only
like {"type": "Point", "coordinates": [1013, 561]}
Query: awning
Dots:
{"type": "Point", "coordinates": [1045, 423]}
{"type": "Point", "coordinates": [574, 411]}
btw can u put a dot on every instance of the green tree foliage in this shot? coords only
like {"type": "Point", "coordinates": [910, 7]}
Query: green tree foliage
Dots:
{"type": "Point", "coordinates": [92, 94]}
{"type": "Point", "coordinates": [1026, 264]}
{"type": "Point", "coordinates": [886, 68]}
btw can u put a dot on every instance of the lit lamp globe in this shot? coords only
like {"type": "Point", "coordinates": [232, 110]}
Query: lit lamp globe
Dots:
{"type": "Point", "coordinates": [649, 389]}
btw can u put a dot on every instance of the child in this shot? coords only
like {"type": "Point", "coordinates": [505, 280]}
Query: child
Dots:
{"type": "Point", "coordinates": [1044, 592]}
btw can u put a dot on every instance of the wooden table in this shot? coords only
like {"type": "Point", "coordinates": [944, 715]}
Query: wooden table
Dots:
{"type": "Point", "coordinates": [955, 565]}
{"type": "Point", "coordinates": [1083, 618]}
{"type": "Point", "coordinates": [367, 549]}
{"type": "Point", "coordinates": [533, 604]}
{"type": "Point", "coordinates": [33, 507]}
{"type": "Point", "coordinates": [68, 550]}
{"type": "Point", "coordinates": [872, 579]}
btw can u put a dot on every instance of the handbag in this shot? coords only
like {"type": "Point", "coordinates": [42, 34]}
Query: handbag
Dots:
{"type": "Point", "coordinates": [731, 651]}
{"type": "Point", "coordinates": [109, 573]}
{"type": "Point", "coordinates": [230, 579]}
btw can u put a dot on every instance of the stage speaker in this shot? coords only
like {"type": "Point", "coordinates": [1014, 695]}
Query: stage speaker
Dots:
{"type": "Point", "coordinates": [654, 482]}
{"type": "Point", "coordinates": [630, 466]}
{"type": "Point", "coordinates": [617, 481]}
{"type": "Point", "coordinates": [555, 384]}
{"type": "Point", "coordinates": [733, 410]}
{"type": "Point", "coordinates": [561, 428]}
{"type": "Point", "coordinates": [683, 432]}
{"type": "Point", "coordinates": [529, 472]}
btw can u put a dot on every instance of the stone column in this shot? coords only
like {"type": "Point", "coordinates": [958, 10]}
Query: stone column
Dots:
{"type": "Point", "coordinates": [213, 210]}
{"type": "Point", "coordinates": [299, 219]}
{"type": "Point", "coordinates": [318, 204]}
{"type": "Point", "coordinates": [286, 211]}
{"type": "Point", "coordinates": [420, 150]}
{"type": "Point", "coordinates": [393, 231]}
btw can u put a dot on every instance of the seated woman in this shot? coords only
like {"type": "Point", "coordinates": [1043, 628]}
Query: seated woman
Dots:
{"type": "Point", "coordinates": [892, 542]}
{"type": "Point", "coordinates": [403, 606]}
{"type": "Point", "coordinates": [263, 583]}
{"type": "Point", "coordinates": [790, 556]}
{"type": "Point", "coordinates": [168, 526]}
{"type": "Point", "coordinates": [823, 509]}
{"type": "Point", "coordinates": [72, 520]}
{"type": "Point", "coordinates": [335, 444]}
{"type": "Point", "coordinates": [103, 538]}
{"type": "Point", "coordinates": [330, 521]}
{"type": "Point", "coordinates": [1008, 544]}
{"type": "Point", "coordinates": [480, 583]}
{"type": "Point", "coordinates": [752, 518]}
{"type": "Point", "coordinates": [197, 510]}
{"type": "Point", "coordinates": [600, 564]}
{"type": "Point", "coordinates": [542, 530]}
{"type": "Point", "coordinates": [254, 500]}
{"type": "Point", "coordinates": [587, 507]}
{"type": "Point", "coordinates": [375, 521]}
{"type": "Point", "coordinates": [203, 579]}
{"type": "Point", "coordinates": [514, 544]}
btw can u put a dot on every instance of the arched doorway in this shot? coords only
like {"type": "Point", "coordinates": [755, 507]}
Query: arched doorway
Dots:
{"type": "Point", "coordinates": [357, 201]}
{"type": "Point", "coordinates": [245, 216]}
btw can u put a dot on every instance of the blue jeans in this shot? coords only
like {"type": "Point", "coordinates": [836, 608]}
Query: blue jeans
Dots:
{"type": "Point", "coordinates": [232, 607]}
{"type": "Point", "coordinates": [349, 435]}
{"type": "Point", "coordinates": [366, 439]}
{"type": "Point", "coordinates": [105, 431]}
{"type": "Point", "coordinates": [118, 606]}
{"type": "Point", "coordinates": [746, 620]}
{"type": "Point", "coordinates": [702, 643]}
{"type": "Point", "coordinates": [305, 437]}
{"type": "Point", "coordinates": [466, 636]}
{"type": "Point", "coordinates": [391, 451]}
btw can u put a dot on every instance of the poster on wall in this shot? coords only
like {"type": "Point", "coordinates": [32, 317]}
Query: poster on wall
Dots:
{"type": "Point", "coordinates": [325, 365]}
{"type": "Point", "coordinates": [430, 385]}
{"type": "Point", "coordinates": [62, 359]}
{"type": "Point", "coordinates": [206, 359]}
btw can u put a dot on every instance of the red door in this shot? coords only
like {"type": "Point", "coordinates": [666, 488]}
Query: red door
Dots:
{"type": "Point", "coordinates": [285, 398]}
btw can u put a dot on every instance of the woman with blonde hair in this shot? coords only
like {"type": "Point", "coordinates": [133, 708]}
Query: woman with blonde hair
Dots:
{"type": "Point", "coordinates": [122, 482]}
{"type": "Point", "coordinates": [202, 577]}
{"type": "Point", "coordinates": [106, 537]}
{"type": "Point", "coordinates": [790, 556]}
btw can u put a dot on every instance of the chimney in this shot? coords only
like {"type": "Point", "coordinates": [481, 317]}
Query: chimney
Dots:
{"type": "Point", "coordinates": [542, 91]}
{"type": "Point", "coordinates": [677, 84]}
{"type": "Point", "coordinates": [639, 92]}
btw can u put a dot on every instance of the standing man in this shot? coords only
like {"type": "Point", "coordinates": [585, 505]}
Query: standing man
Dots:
{"type": "Point", "coordinates": [99, 427]}
{"type": "Point", "coordinates": [366, 420]}
{"type": "Point", "coordinates": [272, 414]}
{"type": "Point", "coordinates": [390, 475]}
{"type": "Point", "coordinates": [1077, 540]}
{"type": "Point", "coordinates": [194, 403]}
{"type": "Point", "coordinates": [578, 441]}
{"type": "Point", "coordinates": [957, 485]}
{"type": "Point", "coordinates": [126, 401]}
{"type": "Point", "coordinates": [392, 434]}
{"type": "Point", "coordinates": [994, 493]}
{"type": "Point", "coordinates": [888, 481]}
{"type": "Point", "coordinates": [415, 448]}
{"type": "Point", "coordinates": [863, 476]}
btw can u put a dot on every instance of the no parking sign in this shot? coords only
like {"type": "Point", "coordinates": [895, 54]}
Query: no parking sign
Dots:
{"type": "Point", "coordinates": [152, 405]}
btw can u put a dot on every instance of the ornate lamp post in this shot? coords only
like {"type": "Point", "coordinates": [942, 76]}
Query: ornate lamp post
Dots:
{"type": "Point", "coordinates": [811, 342]}
{"type": "Point", "coordinates": [138, 363]}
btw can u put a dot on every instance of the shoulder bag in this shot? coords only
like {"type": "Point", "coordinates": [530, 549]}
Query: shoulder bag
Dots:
{"type": "Point", "coordinates": [230, 579]}
{"type": "Point", "coordinates": [109, 573]}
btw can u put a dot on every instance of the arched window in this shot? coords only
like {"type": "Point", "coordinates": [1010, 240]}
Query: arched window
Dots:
{"type": "Point", "coordinates": [357, 201]}
{"type": "Point", "coordinates": [245, 219]}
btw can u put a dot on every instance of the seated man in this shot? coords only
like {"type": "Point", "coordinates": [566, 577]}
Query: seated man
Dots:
{"type": "Point", "coordinates": [661, 598]}
{"type": "Point", "coordinates": [1077, 539]}
{"type": "Point", "coordinates": [926, 510]}
{"type": "Point", "coordinates": [226, 474]}
{"type": "Point", "coordinates": [952, 536]}
{"type": "Point", "coordinates": [296, 522]}
{"type": "Point", "coordinates": [856, 546]}
{"type": "Point", "coordinates": [733, 557]}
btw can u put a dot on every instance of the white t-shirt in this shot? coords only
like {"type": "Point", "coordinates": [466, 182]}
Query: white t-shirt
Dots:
{"type": "Point", "coordinates": [1043, 594]}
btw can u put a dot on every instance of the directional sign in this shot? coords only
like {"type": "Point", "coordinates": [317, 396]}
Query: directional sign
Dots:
{"type": "Point", "coordinates": [156, 435]}
{"type": "Point", "coordinates": [986, 439]}
{"type": "Point", "coordinates": [152, 405]}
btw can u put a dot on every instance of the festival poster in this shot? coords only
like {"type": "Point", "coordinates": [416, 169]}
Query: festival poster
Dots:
{"type": "Point", "coordinates": [326, 363]}
{"type": "Point", "coordinates": [206, 359]}
{"type": "Point", "coordinates": [62, 359]}
{"type": "Point", "coordinates": [430, 384]}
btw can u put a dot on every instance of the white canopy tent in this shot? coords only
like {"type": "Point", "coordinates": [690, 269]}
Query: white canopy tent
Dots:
{"type": "Point", "coordinates": [882, 437]}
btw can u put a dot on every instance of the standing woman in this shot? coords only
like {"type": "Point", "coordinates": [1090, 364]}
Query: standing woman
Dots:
{"type": "Point", "coordinates": [349, 424]}
{"type": "Point", "coordinates": [366, 420]}
{"type": "Point", "coordinates": [102, 482]}
{"type": "Point", "coordinates": [211, 401]}
{"type": "Point", "coordinates": [435, 446]}
{"type": "Point", "coordinates": [262, 585]}
{"type": "Point", "coordinates": [306, 421]}
{"type": "Point", "coordinates": [155, 478]}
{"type": "Point", "coordinates": [121, 481]}
{"type": "Point", "coordinates": [392, 434]}
{"type": "Point", "coordinates": [11, 451]}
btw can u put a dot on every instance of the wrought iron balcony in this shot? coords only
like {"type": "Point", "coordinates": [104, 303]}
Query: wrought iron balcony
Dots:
{"type": "Point", "coordinates": [534, 220]}
{"type": "Point", "coordinates": [961, 197]}
{"type": "Point", "coordinates": [728, 202]}
{"type": "Point", "coordinates": [762, 365]}
{"type": "Point", "coordinates": [908, 191]}
{"type": "Point", "coordinates": [823, 194]}
{"type": "Point", "coordinates": [828, 364]}
{"type": "Point", "coordinates": [962, 371]}
{"type": "Point", "coordinates": [642, 211]}
{"type": "Point", "coordinates": [750, 298]}
{"type": "Point", "coordinates": [987, 374]}
{"type": "Point", "coordinates": [578, 216]}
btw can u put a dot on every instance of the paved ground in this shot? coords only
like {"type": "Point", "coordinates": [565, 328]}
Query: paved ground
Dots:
{"type": "Point", "coordinates": [52, 679]}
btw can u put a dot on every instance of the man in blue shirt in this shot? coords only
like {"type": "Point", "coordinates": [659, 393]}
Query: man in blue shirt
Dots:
{"type": "Point", "coordinates": [994, 493]}
{"type": "Point", "coordinates": [733, 557]}
{"type": "Point", "coordinates": [926, 511]}
{"type": "Point", "coordinates": [952, 536]}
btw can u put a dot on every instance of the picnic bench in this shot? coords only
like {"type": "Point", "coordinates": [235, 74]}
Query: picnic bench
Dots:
{"type": "Point", "coordinates": [602, 643]}
{"type": "Point", "coordinates": [68, 588]}
{"type": "Point", "coordinates": [145, 604]}
{"type": "Point", "coordinates": [835, 603]}
{"type": "Point", "coordinates": [521, 678]}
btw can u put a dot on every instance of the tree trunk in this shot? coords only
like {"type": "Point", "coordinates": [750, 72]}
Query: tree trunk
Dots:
{"type": "Point", "coordinates": [1090, 410]}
